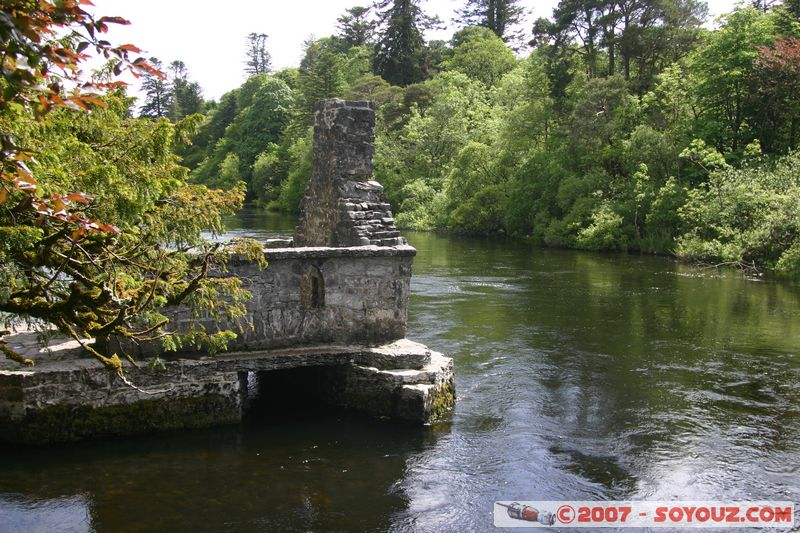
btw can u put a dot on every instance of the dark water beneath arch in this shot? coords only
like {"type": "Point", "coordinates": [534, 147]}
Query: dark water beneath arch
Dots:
{"type": "Point", "coordinates": [580, 376]}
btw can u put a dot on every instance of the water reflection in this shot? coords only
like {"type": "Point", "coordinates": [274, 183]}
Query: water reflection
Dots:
{"type": "Point", "coordinates": [260, 224]}
{"type": "Point", "coordinates": [310, 473]}
{"type": "Point", "coordinates": [640, 377]}
{"type": "Point", "coordinates": [580, 376]}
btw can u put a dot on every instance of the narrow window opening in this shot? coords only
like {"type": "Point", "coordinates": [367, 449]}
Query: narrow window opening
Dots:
{"type": "Point", "coordinates": [312, 289]}
{"type": "Point", "coordinates": [317, 297]}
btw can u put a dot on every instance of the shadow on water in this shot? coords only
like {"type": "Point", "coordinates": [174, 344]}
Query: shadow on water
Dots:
{"type": "Point", "coordinates": [579, 376]}
{"type": "Point", "coordinates": [298, 468]}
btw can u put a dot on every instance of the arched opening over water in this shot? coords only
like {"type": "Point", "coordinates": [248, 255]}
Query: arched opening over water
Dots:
{"type": "Point", "coordinates": [289, 394]}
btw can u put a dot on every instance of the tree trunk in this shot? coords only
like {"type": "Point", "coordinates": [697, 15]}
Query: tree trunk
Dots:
{"type": "Point", "coordinates": [612, 67]}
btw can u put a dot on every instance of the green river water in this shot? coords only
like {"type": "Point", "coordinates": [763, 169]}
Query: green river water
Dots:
{"type": "Point", "coordinates": [579, 376]}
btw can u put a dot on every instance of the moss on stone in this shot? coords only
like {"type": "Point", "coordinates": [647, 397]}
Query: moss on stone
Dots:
{"type": "Point", "coordinates": [76, 422]}
{"type": "Point", "coordinates": [442, 402]}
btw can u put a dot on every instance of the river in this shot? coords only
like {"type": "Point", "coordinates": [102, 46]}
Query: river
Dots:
{"type": "Point", "coordinates": [579, 376]}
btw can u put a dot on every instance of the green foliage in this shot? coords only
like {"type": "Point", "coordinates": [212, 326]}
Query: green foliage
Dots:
{"type": "Point", "coordinates": [101, 230]}
{"type": "Point", "coordinates": [293, 189]}
{"type": "Point", "coordinates": [605, 231]}
{"type": "Point", "coordinates": [267, 171]}
{"type": "Point", "coordinates": [481, 55]}
{"type": "Point", "coordinates": [721, 69]}
{"type": "Point", "coordinates": [607, 136]}
{"type": "Point", "coordinates": [356, 27]}
{"type": "Point", "coordinates": [746, 216]}
{"type": "Point", "coordinates": [498, 16]}
{"type": "Point", "coordinates": [322, 72]}
{"type": "Point", "coordinates": [152, 253]}
{"type": "Point", "coordinates": [401, 47]}
{"type": "Point", "coordinates": [262, 111]}
{"type": "Point", "coordinates": [481, 213]}
{"type": "Point", "coordinates": [228, 176]}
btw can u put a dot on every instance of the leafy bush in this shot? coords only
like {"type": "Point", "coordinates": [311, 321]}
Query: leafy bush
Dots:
{"type": "Point", "coordinates": [746, 216]}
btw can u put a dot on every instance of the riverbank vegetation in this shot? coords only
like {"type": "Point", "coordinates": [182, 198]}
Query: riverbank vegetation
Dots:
{"type": "Point", "coordinates": [622, 126]}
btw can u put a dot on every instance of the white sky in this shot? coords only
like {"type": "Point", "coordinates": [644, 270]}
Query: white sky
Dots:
{"type": "Point", "coordinates": [210, 37]}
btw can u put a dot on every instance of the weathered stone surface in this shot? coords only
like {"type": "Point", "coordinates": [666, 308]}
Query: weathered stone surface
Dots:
{"type": "Point", "coordinates": [341, 190]}
{"type": "Point", "coordinates": [424, 395]}
{"type": "Point", "coordinates": [278, 243]}
{"type": "Point", "coordinates": [310, 296]}
{"type": "Point", "coordinates": [69, 397]}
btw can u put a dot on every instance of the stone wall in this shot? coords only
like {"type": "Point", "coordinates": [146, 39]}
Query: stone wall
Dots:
{"type": "Point", "coordinates": [310, 296]}
{"type": "Point", "coordinates": [342, 206]}
{"type": "Point", "coordinates": [68, 397]}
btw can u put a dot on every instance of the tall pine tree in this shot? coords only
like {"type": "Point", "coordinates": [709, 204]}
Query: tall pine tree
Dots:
{"type": "Point", "coordinates": [497, 15]}
{"type": "Point", "coordinates": [158, 94]}
{"type": "Point", "coordinates": [187, 96]}
{"type": "Point", "coordinates": [259, 60]}
{"type": "Point", "coordinates": [356, 27]}
{"type": "Point", "coordinates": [401, 47]}
{"type": "Point", "coordinates": [637, 38]}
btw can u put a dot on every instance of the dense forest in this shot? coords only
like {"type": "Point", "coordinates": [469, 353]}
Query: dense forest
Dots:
{"type": "Point", "coordinates": [612, 125]}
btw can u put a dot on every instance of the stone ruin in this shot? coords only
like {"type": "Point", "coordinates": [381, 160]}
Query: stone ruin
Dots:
{"type": "Point", "coordinates": [343, 206]}
{"type": "Point", "coordinates": [334, 301]}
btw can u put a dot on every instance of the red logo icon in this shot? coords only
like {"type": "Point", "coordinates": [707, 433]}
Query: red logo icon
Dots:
{"type": "Point", "coordinates": [565, 514]}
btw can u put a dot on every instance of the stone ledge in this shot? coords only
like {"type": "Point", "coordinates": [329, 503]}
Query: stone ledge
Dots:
{"type": "Point", "coordinates": [423, 396]}
{"type": "Point", "coordinates": [403, 379]}
{"type": "Point", "coordinates": [323, 252]}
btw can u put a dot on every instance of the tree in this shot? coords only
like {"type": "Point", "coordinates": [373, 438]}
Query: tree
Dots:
{"type": "Point", "coordinates": [158, 94]}
{"type": "Point", "coordinates": [258, 58]}
{"type": "Point", "coordinates": [401, 47]}
{"type": "Point", "coordinates": [187, 96]}
{"type": "Point", "coordinates": [646, 34]}
{"type": "Point", "coordinates": [355, 27]}
{"type": "Point", "coordinates": [267, 171]}
{"type": "Point", "coordinates": [100, 231]}
{"type": "Point", "coordinates": [763, 5]}
{"type": "Point", "coordinates": [722, 68]}
{"type": "Point", "coordinates": [259, 112]}
{"type": "Point", "coordinates": [229, 176]}
{"type": "Point", "coordinates": [793, 7]}
{"type": "Point", "coordinates": [746, 217]}
{"type": "Point", "coordinates": [481, 55]}
{"type": "Point", "coordinates": [776, 79]}
{"type": "Point", "coordinates": [321, 73]}
{"type": "Point", "coordinates": [650, 35]}
{"type": "Point", "coordinates": [497, 15]}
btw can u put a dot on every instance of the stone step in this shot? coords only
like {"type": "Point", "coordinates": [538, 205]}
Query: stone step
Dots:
{"type": "Point", "coordinates": [385, 234]}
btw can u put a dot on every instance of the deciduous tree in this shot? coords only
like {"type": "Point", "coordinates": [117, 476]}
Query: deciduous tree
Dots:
{"type": "Point", "coordinates": [100, 230]}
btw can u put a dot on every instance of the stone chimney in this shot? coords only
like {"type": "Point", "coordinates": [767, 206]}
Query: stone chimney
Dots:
{"type": "Point", "coordinates": [342, 205]}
